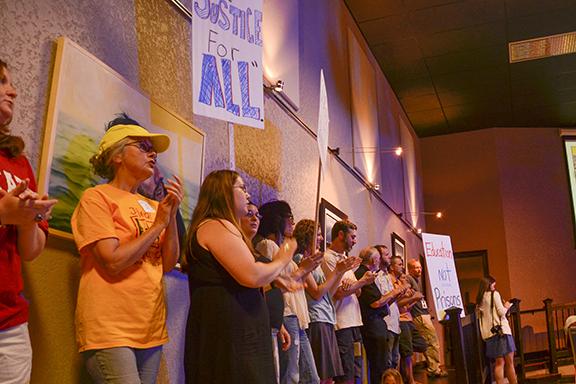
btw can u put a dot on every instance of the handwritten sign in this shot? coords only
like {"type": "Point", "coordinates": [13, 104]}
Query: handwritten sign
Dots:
{"type": "Point", "coordinates": [227, 61]}
{"type": "Point", "coordinates": [442, 273]}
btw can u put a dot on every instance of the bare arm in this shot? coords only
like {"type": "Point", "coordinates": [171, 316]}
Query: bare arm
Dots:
{"type": "Point", "coordinates": [225, 242]}
{"type": "Point", "coordinates": [332, 279]}
{"type": "Point", "coordinates": [31, 241]}
{"type": "Point", "coordinates": [409, 299]}
{"type": "Point", "coordinates": [366, 279]}
{"type": "Point", "coordinates": [20, 207]}
{"type": "Point", "coordinates": [387, 298]}
{"type": "Point", "coordinates": [171, 244]}
{"type": "Point", "coordinates": [115, 257]}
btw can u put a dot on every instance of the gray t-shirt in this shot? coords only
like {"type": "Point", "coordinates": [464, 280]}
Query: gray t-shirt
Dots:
{"type": "Point", "coordinates": [321, 310]}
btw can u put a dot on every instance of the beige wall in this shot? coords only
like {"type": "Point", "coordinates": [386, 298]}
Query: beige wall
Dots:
{"type": "Point", "coordinates": [506, 190]}
{"type": "Point", "coordinates": [147, 41]}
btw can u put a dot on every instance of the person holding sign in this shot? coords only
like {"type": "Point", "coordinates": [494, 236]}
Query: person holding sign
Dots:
{"type": "Point", "coordinates": [348, 315]}
{"type": "Point", "coordinates": [495, 330]}
{"type": "Point", "coordinates": [126, 243]}
{"type": "Point", "coordinates": [423, 322]}
{"type": "Point", "coordinates": [319, 290]}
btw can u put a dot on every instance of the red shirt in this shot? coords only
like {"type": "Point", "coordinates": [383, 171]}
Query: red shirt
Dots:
{"type": "Point", "coordinates": [13, 305]}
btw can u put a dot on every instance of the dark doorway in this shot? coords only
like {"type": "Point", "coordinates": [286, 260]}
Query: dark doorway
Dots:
{"type": "Point", "coordinates": [471, 267]}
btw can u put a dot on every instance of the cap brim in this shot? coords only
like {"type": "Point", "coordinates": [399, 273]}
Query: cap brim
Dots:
{"type": "Point", "coordinates": [160, 142]}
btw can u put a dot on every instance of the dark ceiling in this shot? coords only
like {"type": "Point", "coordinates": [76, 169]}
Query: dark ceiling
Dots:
{"type": "Point", "coordinates": [447, 61]}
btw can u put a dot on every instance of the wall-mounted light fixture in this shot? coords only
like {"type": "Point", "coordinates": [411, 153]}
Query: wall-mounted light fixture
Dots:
{"type": "Point", "coordinates": [277, 87]}
{"type": "Point", "coordinates": [437, 214]}
{"type": "Point", "coordinates": [396, 150]}
{"type": "Point", "coordinates": [374, 187]}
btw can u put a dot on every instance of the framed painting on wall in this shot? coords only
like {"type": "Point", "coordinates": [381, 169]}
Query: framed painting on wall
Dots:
{"type": "Point", "coordinates": [398, 247]}
{"type": "Point", "coordinates": [570, 153]}
{"type": "Point", "coordinates": [85, 94]}
{"type": "Point", "coordinates": [329, 215]}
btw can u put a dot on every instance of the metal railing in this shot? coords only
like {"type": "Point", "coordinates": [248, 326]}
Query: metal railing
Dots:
{"type": "Point", "coordinates": [557, 343]}
{"type": "Point", "coordinates": [464, 344]}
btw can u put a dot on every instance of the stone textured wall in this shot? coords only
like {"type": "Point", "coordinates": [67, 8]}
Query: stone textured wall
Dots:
{"type": "Point", "coordinates": [149, 43]}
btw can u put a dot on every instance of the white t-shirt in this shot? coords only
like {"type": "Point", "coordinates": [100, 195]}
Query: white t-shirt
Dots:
{"type": "Point", "coordinates": [385, 285]}
{"type": "Point", "coordinates": [347, 309]}
{"type": "Point", "coordinates": [294, 302]}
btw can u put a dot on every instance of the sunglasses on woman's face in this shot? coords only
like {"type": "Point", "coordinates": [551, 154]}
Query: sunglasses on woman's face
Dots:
{"type": "Point", "coordinates": [144, 146]}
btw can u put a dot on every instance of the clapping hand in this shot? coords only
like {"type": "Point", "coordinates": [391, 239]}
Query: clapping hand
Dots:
{"type": "Point", "coordinates": [368, 277]}
{"type": "Point", "coordinates": [24, 207]}
{"type": "Point", "coordinates": [174, 193]}
{"type": "Point", "coordinates": [311, 262]}
{"type": "Point", "coordinates": [288, 284]}
{"type": "Point", "coordinates": [347, 264]}
{"type": "Point", "coordinates": [169, 205]}
{"type": "Point", "coordinates": [346, 284]}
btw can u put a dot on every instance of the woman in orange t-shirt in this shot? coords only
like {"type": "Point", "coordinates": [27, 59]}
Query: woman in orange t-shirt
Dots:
{"type": "Point", "coordinates": [126, 243]}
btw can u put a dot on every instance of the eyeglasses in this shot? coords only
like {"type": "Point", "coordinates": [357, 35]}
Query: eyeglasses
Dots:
{"type": "Point", "coordinates": [254, 214]}
{"type": "Point", "coordinates": [144, 146]}
{"type": "Point", "coordinates": [242, 188]}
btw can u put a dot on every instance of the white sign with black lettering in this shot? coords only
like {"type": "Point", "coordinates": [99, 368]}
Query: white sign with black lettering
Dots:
{"type": "Point", "coordinates": [227, 61]}
{"type": "Point", "coordinates": [442, 273]}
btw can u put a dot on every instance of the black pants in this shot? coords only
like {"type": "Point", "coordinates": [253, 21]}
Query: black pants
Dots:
{"type": "Point", "coordinates": [374, 335]}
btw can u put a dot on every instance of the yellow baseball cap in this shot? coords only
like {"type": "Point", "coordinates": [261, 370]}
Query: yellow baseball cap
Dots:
{"type": "Point", "coordinates": [121, 131]}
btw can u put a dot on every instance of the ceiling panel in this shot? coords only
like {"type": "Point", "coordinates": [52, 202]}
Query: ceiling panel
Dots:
{"type": "Point", "coordinates": [463, 39]}
{"type": "Point", "coordinates": [375, 9]}
{"type": "Point", "coordinates": [456, 15]}
{"type": "Point", "coordinates": [469, 81]}
{"type": "Point", "coordinates": [420, 103]}
{"type": "Point", "coordinates": [542, 24]}
{"type": "Point", "coordinates": [516, 8]}
{"type": "Point", "coordinates": [469, 60]}
{"type": "Point", "coordinates": [431, 120]}
{"type": "Point", "coordinates": [447, 61]}
{"type": "Point", "coordinates": [386, 29]}
{"type": "Point", "coordinates": [414, 87]}
{"type": "Point", "coordinates": [479, 96]}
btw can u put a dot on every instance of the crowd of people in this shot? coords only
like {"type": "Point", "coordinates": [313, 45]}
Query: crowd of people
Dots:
{"type": "Point", "coordinates": [266, 305]}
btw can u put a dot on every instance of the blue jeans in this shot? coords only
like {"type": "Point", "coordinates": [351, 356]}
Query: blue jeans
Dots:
{"type": "Point", "coordinates": [123, 365]}
{"type": "Point", "coordinates": [297, 363]}
{"type": "Point", "coordinates": [393, 355]}
{"type": "Point", "coordinates": [275, 353]}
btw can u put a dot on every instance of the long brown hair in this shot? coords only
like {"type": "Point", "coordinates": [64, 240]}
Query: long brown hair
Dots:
{"type": "Point", "coordinates": [304, 235]}
{"type": "Point", "coordinates": [12, 145]}
{"type": "Point", "coordinates": [215, 201]}
{"type": "Point", "coordinates": [483, 288]}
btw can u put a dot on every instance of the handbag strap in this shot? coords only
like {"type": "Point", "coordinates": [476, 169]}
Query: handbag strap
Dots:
{"type": "Point", "coordinates": [492, 310]}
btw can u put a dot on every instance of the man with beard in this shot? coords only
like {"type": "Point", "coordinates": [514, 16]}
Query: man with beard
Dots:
{"type": "Point", "coordinates": [384, 282]}
{"type": "Point", "coordinates": [348, 315]}
{"type": "Point", "coordinates": [423, 322]}
{"type": "Point", "coordinates": [410, 340]}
